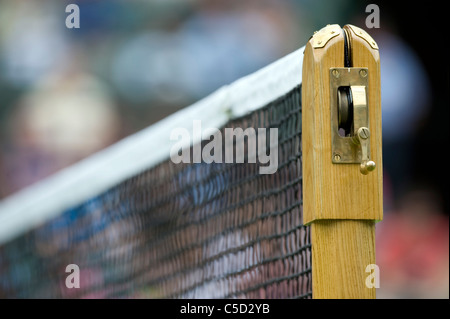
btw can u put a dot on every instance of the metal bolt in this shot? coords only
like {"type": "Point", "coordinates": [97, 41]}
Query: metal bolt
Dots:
{"type": "Point", "coordinates": [364, 133]}
{"type": "Point", "coordinates": [337, 157]}
{"type": "Point", "coordinates": [335, 73]}
{"type": "Point", "coordinates": [319, 42]}
{"type": "Point", "coordinates": [363, 73]}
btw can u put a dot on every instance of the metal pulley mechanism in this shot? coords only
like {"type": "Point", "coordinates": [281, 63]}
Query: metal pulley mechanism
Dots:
{"type": "Point", "coordinates": [350, 133]}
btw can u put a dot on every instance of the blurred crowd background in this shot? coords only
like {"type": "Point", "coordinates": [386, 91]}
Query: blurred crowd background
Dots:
{"type": "Point", "coordinates": [66, 93]}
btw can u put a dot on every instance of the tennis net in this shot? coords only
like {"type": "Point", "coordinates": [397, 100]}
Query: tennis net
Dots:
{"type": "Point", "coordinates": [138, 225]}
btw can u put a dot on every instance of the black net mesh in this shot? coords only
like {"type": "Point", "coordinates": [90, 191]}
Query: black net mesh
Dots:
{"type": "Point", "coordinates": [180, 231]}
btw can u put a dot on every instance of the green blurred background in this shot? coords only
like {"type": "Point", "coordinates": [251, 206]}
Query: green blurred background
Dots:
{"type": "Point", "coordinates": [66, 93]}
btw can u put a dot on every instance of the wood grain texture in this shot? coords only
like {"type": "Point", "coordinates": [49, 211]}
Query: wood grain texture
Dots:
{"type": "Point", "coordinates": [338, 191]}
{"type": "Point", "coordinates": [339, 202]}
{"type": "Point", "coordinates": [341, 251]}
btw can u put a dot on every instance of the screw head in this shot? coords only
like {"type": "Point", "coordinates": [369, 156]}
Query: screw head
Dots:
{"type": "Point", "coordinates": [335, 73]}
{"type": "Point", "coordinates": [363, 73]}
{"type": "Point", "coordinates": [337, 157]}
{"type": "Point", "coordinates": [364, 133]}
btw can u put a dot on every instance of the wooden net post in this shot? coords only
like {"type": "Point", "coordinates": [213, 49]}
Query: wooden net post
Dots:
{"type": "Point", "coordinates": [341, 144]}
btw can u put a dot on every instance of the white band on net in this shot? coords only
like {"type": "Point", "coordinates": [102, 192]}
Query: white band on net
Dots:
{"type": "Point", "coordinates": [90, 177]}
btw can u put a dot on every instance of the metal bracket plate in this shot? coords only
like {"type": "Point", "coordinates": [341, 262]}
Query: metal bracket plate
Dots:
{"type": "Point", "coordinates": [321, 37]}
{"type": "Point", "coordinates": [364, 35]}
{"type": "Point", "coordinates": [343, 148]}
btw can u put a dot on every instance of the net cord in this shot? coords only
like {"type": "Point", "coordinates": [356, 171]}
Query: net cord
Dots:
{"type": "Point", "coordinates": [50, 197]}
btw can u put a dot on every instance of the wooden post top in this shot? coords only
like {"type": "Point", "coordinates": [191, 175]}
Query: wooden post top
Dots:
{"type": "Point", "coordinates": [342, 170]}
